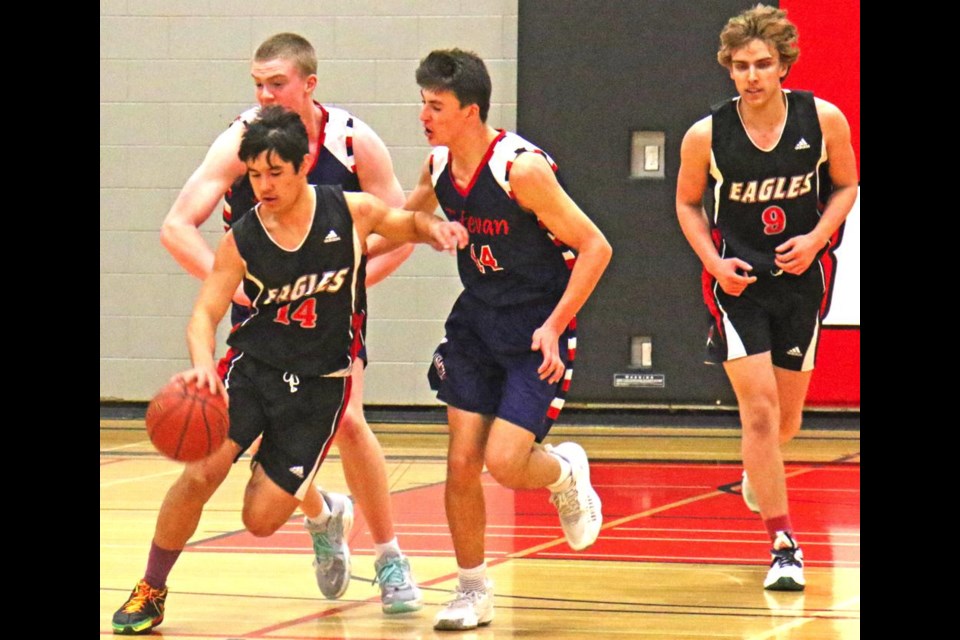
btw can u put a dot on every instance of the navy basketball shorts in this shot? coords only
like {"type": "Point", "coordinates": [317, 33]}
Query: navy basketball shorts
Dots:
{"type": "Point", "coordinates": [485, 365]}
{"type": "Point", "coordinates": [298, 417]}
{"type": "Point", "coordinates": [779, 314]}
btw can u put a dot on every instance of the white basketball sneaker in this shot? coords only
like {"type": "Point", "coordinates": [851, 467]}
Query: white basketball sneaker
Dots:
{"type": "Point", "coordinates": [579, 505]}
{"type": "Point", "coordinates": [467, 610]}
{"type": "Point", "coordinates": [786, 565]}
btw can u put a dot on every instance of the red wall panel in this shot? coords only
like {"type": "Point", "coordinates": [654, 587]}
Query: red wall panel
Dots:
{"type": "Point", "coordinates": [829, 65]}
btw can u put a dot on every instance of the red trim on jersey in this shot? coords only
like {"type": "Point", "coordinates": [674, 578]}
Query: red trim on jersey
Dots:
{"type": "Point", "coordinates": [223, 365]}
{"type": "Point", "coordinates": [707, 283]}
{"type": "Point", "coordinates": [506, 177]}
{"type": "Point", "coordinates": [476, 174]}
{"type": "Point", "coordinates": [343, 412]}
{"type": "Point", "coordinates": [828, 264]}
{"type": "Point", "coordinates": [553, 413]}
{"type": "Point", "coordinates": [356, 325]}
{"type": "Point", "coordinates": [553, 165]}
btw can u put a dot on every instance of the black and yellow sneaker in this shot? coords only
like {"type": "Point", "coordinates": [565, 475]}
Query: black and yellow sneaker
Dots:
{"type": "Point", "coordinates": [142, 611]}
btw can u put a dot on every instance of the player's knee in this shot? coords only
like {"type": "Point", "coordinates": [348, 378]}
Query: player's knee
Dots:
{"type": "Point", "coordinates": [759, 418]}
{"type": "Point", "coordinates": [259, 529]}
{"type": "Point", "coordinates": [507, 471]}
{"type": "Point", "coordinates": [353, 428]}
{"type": "Point", "coordinates": [463, 466]}
{"type": "Point", "coordinates": [201, 480]}
{"type": "Point", "coordinates": [789, 427]}
{"type": "Point", "coordinates": [259, 525]}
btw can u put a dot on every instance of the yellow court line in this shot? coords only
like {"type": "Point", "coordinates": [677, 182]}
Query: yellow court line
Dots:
{"type": "Point", "coordinates": [113, 483]}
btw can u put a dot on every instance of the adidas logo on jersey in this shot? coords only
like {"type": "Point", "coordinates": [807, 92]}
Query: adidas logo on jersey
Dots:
{"type": "Point", "coordinates": [795, 352]}
{"type": "Point", "coordinates": [801, 145]}
{"type": "Point", "coordinates": [297, 471]}
{"type": "Point", "coordinates": [331, 237]}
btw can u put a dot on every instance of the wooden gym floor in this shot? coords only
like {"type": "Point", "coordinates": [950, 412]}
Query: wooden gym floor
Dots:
{"type": "Point", "coordinates": [679, 555]}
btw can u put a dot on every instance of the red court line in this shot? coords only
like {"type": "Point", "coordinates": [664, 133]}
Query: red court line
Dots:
{"type": "Point", "coordinates": [669, 513]}
{"type": "Point", "coordinates": [666, 512]}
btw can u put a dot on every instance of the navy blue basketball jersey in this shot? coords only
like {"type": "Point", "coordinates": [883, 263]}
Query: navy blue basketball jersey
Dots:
{"type": "Point", "coordinates": [307, 304]}
{"type": "Point", "coordinates": [512, 258]}
{"type": "Point", "coordinates": [334, 163]}
{"type": "Point", "coordinates": [764, 197]}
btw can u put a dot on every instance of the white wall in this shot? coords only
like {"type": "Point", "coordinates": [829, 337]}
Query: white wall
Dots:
{"type": "Point", "coordinates": [174, 73]}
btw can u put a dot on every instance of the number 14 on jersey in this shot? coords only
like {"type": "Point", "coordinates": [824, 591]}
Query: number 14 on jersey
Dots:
{"type": "Point", "coordinates": [485, 260]}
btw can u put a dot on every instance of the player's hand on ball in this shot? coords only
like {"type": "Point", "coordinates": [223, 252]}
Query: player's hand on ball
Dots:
{"type": "Point", "coordinates": [205, 378]}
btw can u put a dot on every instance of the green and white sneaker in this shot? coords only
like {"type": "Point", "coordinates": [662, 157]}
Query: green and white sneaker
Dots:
{"type": "Point", "coordinates": [398, 590]}
{"type": "Point", "coordinates": [331, 561]}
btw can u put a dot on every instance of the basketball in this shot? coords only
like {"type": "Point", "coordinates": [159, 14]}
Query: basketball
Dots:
{"type": "Point", "coordinates": [186, 423]}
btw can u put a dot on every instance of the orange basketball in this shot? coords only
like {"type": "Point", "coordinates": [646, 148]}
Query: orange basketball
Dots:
{"type": "Point", "coordinates": [186, 423]}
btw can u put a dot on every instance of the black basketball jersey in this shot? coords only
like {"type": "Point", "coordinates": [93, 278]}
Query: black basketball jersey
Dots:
{"type": "Point", "coordinates": [511, 257]}
{"type": "Point", "coordinates": [763, 197]}
{"type": "Point", "coordinates": [334, 163]}
{"type": "Point", "coordinates": [306, 304]}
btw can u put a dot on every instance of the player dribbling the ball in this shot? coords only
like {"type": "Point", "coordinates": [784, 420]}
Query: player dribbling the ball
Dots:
{"type": "Point", "coordinates": [298, 254]}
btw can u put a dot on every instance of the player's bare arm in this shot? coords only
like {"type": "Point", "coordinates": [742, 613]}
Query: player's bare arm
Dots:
{"type": "Point", "coordinates": [212, 303]}
{"type": "Point", "coordinates": [691, 185]}
{"type": "Point", "coordinates": [372, 215]}
{"type": "Point", "coordinates": [536, 188]}
{"type": "Point", "coordinates": [423, 197]}
{"type": "Point", "coordinates": [375, 172]}
{"type": "Point", "coordinates": [798, 253]}
{"type": "Point", "coordinates": [197, 200]}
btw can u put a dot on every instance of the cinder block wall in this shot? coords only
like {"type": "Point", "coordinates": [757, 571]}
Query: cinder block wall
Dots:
{"type": "Point", "coordinates": [174, 73]}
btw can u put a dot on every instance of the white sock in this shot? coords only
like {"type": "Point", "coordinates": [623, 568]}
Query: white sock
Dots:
{"type": "Point", "coordinates": [473, 579]}
{"type": "Point", "coordinates": [325, 512]}
{"type": "Point", "coordinates": [566, 476]}
{"type": "Point", "coordinates": [392, 547]}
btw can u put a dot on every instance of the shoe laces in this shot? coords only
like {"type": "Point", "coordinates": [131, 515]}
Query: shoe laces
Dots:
{"type": "Point", "coordinates": [323, 541]}
{"type": "Point", "coordinates": [393, 573]}
{"type": "Point", "coordinates": [786, 557]}
{"type": "Point", "coordinates": [567, 503]}
{"type": "Point", "coordinates": [143, 594]}
{"type": "Point", "coordinates": [463, 599]}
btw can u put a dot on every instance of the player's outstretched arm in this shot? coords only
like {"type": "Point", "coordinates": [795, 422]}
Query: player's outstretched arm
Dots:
{"type": "Point", "coordinates": [536, 188]}
{"type": "Point", "coordinates": [211, 305]}
{"type": "Point", "coordinates": [197, 200]}
{"type": "Point", "coordinates": [798, 253]}
{"type": "Point", "coordinates": [691, 184]}
{"type": "Point", "coordinates": [372, 215]}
